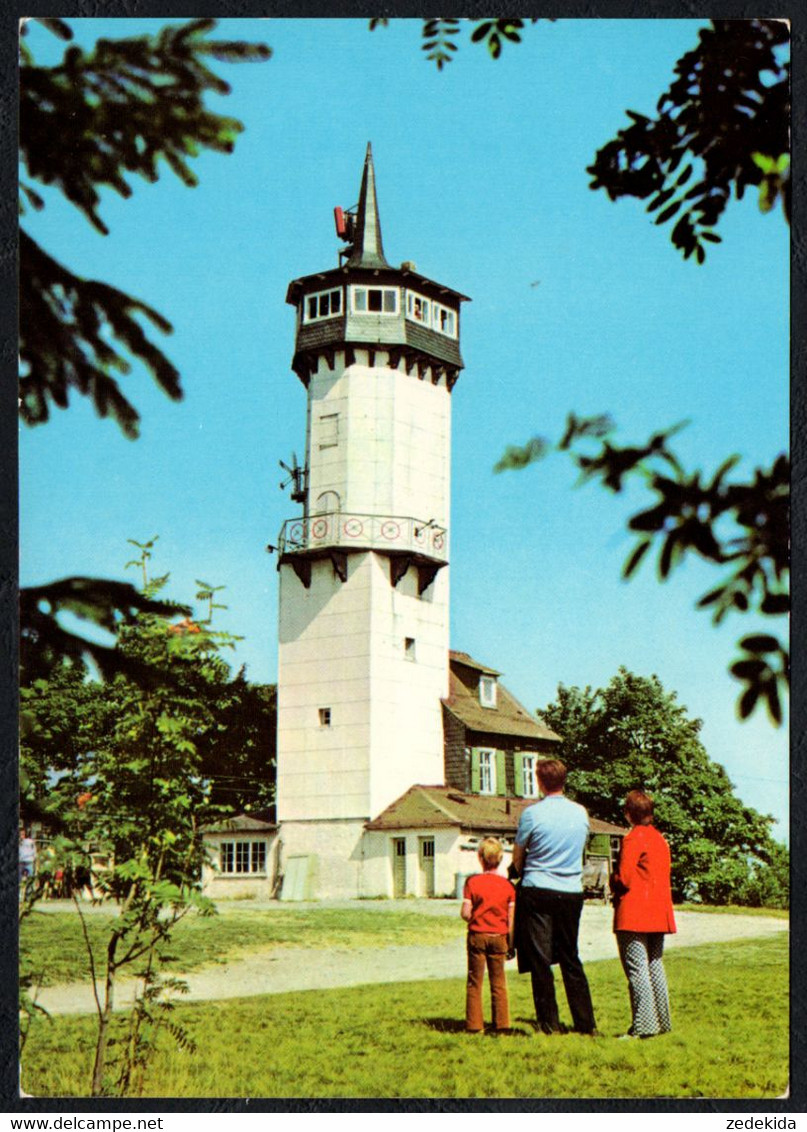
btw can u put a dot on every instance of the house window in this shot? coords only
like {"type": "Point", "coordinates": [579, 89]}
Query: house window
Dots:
{"type": "Point", "coordinates": [325, 304]}
{"type": "Point", "coordinates": [445, 320]}
{"type": "Point", "coordinates": [374, 300]}
{"type": "Point", "coordinates": [418, 308]}
{"type": "Point", "coordinates": [487, 691]}
{"type": "Point", "coordinates": [329, 430]}
{"type": "Point", "coordinates": [487, 771]}
{"type": "Point", "coordinates": [325, 717]}
{"type": "Point", "coordinates": [529, 777]}
{"type": "Point", "coordinates": [409, 648]}
{"type": "Point", "coordinates": [242, 857]}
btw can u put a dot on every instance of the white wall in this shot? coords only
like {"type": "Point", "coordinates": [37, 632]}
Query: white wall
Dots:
{"type": "Point", "coordinates": [342, 647]}
{"type": "Point", "coordinates": [336, 847]}
{"type": "Point", "coordinates": [221, 886]}
{"type": "Point", "coordinates": [394, 450]}
{"type": "Point", "coordinates": [342, 644]}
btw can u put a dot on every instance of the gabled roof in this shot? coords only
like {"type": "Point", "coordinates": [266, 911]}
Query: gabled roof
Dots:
{"type": "Point", "coordinates": [241, 823]}
{"type": "Point", "coordinates": [435, 807]}
{"type": "Point", "coordinates": [509, 717]}
{"type": "Point", "coordinates": [469, 662]}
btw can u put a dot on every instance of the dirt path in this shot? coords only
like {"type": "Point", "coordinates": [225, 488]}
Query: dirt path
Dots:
{"type": "Point", "coordinates": [296, 969]}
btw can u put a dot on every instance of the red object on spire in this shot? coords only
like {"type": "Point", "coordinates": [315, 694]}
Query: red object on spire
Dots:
{"type": "Point", "coordinates": [341, 223]}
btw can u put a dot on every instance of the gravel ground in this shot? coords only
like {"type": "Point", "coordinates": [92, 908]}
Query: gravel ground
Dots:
{"type": "Point", "coordinates": [296, 969]}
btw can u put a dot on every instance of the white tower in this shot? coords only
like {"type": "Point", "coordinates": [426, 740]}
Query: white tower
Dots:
{"type": "Point", "coordinates": [364, 618]}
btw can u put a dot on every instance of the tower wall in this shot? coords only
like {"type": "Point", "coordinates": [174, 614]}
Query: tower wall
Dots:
{"type": "Point", "coordinates": [392, 430]}
{"type": "Point", "coordinates": [343, 650]}
{"type": "Point", "coordinates": [363, 622]}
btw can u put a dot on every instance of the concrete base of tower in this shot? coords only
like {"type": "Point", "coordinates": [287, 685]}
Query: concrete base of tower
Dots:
{"type": "Point", "coordinates": [323, 860]}
{"type": "Point", "coordinates": [341, 860]}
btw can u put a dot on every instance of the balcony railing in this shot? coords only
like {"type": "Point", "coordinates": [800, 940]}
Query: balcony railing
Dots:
{"type": "Point", "coordinates": [364, 532]}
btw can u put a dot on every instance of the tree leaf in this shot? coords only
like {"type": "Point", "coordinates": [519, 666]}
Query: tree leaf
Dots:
{"type": "Point", "coordinates": [635, 558]}
{"type": "Point", "coordinates": [760, 643]}
{"type": "Point", "coordinates": [668, 212]}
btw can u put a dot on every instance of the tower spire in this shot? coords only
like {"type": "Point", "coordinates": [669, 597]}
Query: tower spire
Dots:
{"type": "Point", "coordinates": [368, 250]}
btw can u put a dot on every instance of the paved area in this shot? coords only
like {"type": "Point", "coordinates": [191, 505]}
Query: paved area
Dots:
{"type": "Point", "coordinates": [297, 969]}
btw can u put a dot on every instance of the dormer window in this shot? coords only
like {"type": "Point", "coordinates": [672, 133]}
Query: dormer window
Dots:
{"type": "Point", "coordinates": [374, 300]}
{"type": "Point", "coordinates": [324, 304]}
{"type": "Point", "coordinates": [487, 691]}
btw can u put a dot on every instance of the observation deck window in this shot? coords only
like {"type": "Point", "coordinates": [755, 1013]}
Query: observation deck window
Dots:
{"type": "Point", "coordinates": [374, 300]}
{"type": "Point", "coordinates": [418, 308]}
{"type": "Point", "coordinates": [324, 304]}
{"type": "Point", "coordinates": [444, 320]}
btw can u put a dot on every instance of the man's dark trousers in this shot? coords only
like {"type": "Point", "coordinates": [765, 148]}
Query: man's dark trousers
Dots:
{"type": "Point", "coordinates": [548, 925]}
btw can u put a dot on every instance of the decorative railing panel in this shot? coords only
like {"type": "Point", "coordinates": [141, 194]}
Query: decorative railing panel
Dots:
{"type": "Point", "coordinates": [366, 532]}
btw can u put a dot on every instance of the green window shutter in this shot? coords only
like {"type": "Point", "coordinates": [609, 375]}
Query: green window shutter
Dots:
{"type": "Point", "coordinates": [518, 768]}
{"type": "Point", "coordinates": [600, 845]}
{"type": "Point", "coordinates": [474, 770]}
{"type": "Point", "coordinates": [501, 773]}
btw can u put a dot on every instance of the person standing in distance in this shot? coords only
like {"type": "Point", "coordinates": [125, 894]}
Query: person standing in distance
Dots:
{"type": "Point", "coordinates": [548, 854]}
{"type": "Point", "coordinates": [27, 857]}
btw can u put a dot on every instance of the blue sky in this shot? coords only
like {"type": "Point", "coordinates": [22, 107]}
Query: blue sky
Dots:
{"type": "Point", "coordinates": [578, 304]}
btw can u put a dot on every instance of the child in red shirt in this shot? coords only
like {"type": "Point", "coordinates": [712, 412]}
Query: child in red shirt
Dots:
{"type": "Point", "coordinates": [488, 906]}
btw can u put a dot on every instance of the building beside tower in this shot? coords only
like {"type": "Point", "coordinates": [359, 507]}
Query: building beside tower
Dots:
{"type": "Point", "coordinates": [394, 756]}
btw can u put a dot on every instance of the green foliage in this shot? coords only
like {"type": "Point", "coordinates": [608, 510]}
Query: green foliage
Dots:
{"type": "Point", "coordinates": [440, 35]}
{"type": "Point", "coordinates": [121, 774]}
{"type": "Point", "coordinates": [633, 734]}
{"type": "Point", "coordinates": [67, 325]}
{"type": "Point", "coordinates": [742, 526]}
{"type": "Point", "coordinates": [405, 1040]}
{"type": "Point", "coordinates": [93, 121]}
{"type": "Point", "coordinates": [86, 124]}
{"type": "Point", "coordinates": [723, 125]}
{"type": "Point", "coordinates": [438, 40]}
{"type": "Point", "coordinates": [45, 643]}
{"type": "Point", "coordinates": [775, 180]}
{"type": "Point", "coordinates": [494, 33]}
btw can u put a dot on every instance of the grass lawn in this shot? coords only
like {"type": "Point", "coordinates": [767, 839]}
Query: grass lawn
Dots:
{"type": "Point", "coordinates": [52, 945]}
{"type": "Point", "coordinates": [405, 1040]}
{"type": "Point", "coordinates": [735, 910]}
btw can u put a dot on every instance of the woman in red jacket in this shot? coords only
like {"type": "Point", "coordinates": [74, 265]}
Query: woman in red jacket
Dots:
{"type": "Point", "coordinates": [643, 914]}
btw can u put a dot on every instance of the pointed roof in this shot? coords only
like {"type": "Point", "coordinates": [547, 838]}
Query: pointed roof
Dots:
{"type": "Point", "coordinates": [368, 251]}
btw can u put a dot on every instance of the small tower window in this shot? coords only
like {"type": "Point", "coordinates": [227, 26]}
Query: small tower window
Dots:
{"type": "Point", "coordinates": [329, 430]}
{"type": "Point", "coordinates": [487, 691]}
{"type": "Point", "coordinates": [324, 304]}
{"type": "Point", "coordinates": [325, 717]}
{"type": "Point", "coordinates": [409, 648]}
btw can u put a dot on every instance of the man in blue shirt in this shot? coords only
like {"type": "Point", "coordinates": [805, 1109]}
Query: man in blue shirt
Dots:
{"type": "Point", "coordinates": [548, 855]}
